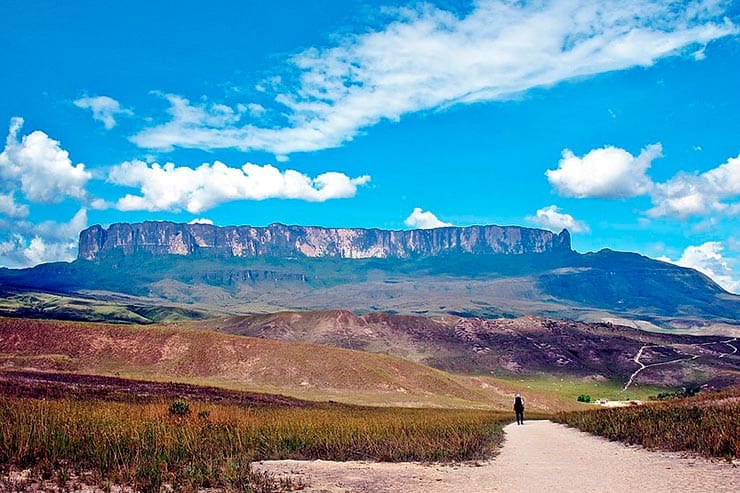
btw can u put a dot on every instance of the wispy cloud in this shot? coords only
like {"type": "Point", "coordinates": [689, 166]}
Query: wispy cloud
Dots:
{"type": "Point", "coordinates": [170, 187]}
{"type": "Point", "coordinates": [104, 109]}
{"type": "Point", "coordinates": [421, 219]}
{"type": "Point", "coordinates": [427, 58]}
{"type": "Point", "coordinates": [552, 218]}
{"type": "Point", "coordinates": [707, 258]}
{"type": "Point", "coordinates": [9, 207]}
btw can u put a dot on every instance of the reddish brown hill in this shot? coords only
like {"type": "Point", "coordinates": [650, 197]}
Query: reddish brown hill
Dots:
{"type": "Point", "coordinates": [172, 353]}
{"type": "Point", "coordinates": [522, 346]}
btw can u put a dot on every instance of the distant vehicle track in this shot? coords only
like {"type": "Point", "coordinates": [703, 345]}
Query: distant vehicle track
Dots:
{"type": "Point", "coordinates": [643, 366]}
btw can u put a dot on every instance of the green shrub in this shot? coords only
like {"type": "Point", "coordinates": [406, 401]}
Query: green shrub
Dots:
{"type": "Point", "coordinates": [584, 398]}
{"type": "Point", "coordinates": [179, 408]}
{"type": "Point", "coordinates": [684, 392]}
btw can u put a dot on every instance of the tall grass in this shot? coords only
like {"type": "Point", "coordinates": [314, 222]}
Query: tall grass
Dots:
{"type": "Point", "coordinates": [143, 445]}
{"type": "Point", "coordinates": [706, 425]}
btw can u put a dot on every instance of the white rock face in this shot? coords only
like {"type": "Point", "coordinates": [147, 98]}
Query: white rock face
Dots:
{"type": "Point", "coordinates": [278, 240]}
{"type": "Point", "coordinates": [177, 246]}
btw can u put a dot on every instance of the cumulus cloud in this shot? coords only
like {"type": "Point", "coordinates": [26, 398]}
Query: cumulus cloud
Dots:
{"type": "Point", "coordinates": [421, 219]}
{"type": "Point", "coordinates": [685, 195]}
{"type": "Point", "coordinates": [170, 187]}
{"type": "Point", "coordinates": [707, 258]}
{"type": "Point", "coordinates": [40, 167]}
{"type": "Point", "coordinates": [552, 218]}
{"type": "Point", "coordinates": [201, 220]}
{"type": "Point", "coordinates": [609, 172]}
{"type": "Point", "coordinates": [25, 244]}
{"type": "Point", "coordinates": [426, 58]}
{"type": "Point", "coordinates": [10, 208]}
{"type": "Point", "coordinates": [104, 109]}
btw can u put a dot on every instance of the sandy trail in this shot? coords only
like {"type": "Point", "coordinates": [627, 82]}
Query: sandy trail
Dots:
{"type": "Point", "coordinates": [539, 456]}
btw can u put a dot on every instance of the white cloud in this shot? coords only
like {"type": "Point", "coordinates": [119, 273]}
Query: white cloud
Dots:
{"type": "Point", "coordinates": [552, 218]}
{"type": "Point", "coordinates": [687, 195]}
{"type": "Point", "coordinates": [707, 258]}
{"type": "Point", "coordinates": [10, 208]}
{"type": "Point", "coordinates": [25, 244]}
{"type": "Point", "coordinates": [100, 204]}
{"type": "Point", "coordinates": [609, 172]}
{"type": "Point", "coordinates": [41, 167]}
{"type": "Point", "coordinates": [172, 188]}
{"type": "Point", "coordinates": [201, 220]}
{"type": "Point", "coordinates": [424, 220]}
{"type": "Point", "coordinates": [429, 58]}
{"type": "Point", "coordinates": [253, 109]}
{"type": "Point", "coordinates": [104, 109]}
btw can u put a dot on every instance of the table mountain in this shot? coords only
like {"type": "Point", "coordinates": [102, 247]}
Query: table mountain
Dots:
{"type": "Point", "coordinates": [481, 271]}
{"type": "Point", "coordinates": [278, 240]}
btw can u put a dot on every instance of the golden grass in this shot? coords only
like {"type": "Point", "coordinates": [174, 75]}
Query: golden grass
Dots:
{"type": "Point", "coordinates": [708, 425]}
{"type": "Point", "coordinates": [142, 445]}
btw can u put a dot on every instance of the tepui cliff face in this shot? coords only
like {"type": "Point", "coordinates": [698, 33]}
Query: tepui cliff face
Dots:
{"type": "Point", "coordinates": [278, 240]}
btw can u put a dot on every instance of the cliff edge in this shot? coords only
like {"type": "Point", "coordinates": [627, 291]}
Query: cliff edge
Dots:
{"type": "Point", "coordinates": [278, 240]}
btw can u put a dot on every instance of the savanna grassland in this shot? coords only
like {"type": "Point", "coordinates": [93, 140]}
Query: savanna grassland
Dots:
{"type": "Point", "coordinates": [179, 405]}
{"type": "Point", "coordinates": [708, 424]}
{"type": "Point", "coordinates": [187, 354]}
{"type": "Point", "coordinates": [195, 445]}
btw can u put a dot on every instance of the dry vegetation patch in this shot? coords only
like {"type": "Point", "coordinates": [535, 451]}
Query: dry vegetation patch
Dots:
{"type": "Point", "coordinates": [204, 444]}
{"type": "Point", "coordinates": [708, 424]}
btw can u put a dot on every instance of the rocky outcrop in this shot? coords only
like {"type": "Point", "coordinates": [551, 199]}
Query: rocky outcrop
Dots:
{"type": "Point", "coordinates": [278, 240]}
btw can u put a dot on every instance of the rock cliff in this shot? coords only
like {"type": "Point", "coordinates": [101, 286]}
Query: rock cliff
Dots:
{"type": "Point", "coordinates": [278, 240]}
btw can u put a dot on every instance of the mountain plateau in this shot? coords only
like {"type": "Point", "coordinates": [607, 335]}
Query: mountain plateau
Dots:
{"type": "Point", "coordinates": [477, 271]}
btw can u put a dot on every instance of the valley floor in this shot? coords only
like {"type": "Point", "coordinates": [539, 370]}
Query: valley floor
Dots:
{"type": "Point", "coordinates": [539, 456]}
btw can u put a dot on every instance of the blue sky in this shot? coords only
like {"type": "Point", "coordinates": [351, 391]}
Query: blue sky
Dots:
{"type": "Point", "coordinates": [615, 119]}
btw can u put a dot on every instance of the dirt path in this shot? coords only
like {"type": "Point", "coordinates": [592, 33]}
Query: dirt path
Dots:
{"type": "Point", "coordinates": [690, 357]}
{"type": "Point", "coordinates": [539, 456]}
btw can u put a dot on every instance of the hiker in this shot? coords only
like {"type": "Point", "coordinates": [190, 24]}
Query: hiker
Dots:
{"type": "Point", "coordinates": [519, 409]}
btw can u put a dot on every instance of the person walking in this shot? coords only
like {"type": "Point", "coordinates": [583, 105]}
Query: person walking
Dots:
{"type": "Point", "coordinates": [519, 409]}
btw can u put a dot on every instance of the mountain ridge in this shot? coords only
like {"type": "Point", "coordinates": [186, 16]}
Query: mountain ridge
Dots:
{"type": "Point", "coordinates": [478, 271]}
{"type": "Point", "coordinates": [169, 238]}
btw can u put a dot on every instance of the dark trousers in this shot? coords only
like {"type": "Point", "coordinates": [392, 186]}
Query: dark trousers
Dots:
{"type": "Point", "coordinates": [519, 417]}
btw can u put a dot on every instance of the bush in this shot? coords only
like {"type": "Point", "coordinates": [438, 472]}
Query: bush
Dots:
{"type": "Point", "coordinates": [179, 408]}
{"type": "Point", "coordinates": [584, 398]}
{"type": "Point", "coordinates": [689, 391]}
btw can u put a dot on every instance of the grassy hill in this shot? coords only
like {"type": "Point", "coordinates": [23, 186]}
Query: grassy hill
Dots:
{"type": "Point", "coordinates": [307, 371]}
{"type": "Point", "coordinates": [101, 307]}
{"type": "Point", "coordinates": [512, 348]}
{"type": "Point", "coordinates": [563, 285]}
